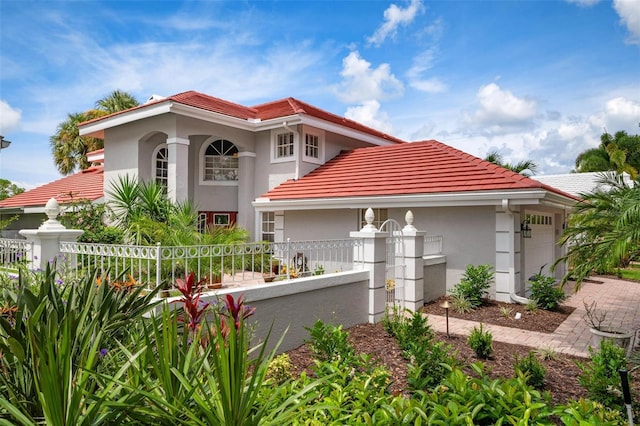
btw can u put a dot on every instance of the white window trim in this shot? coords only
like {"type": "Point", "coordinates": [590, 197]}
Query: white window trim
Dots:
{"type": "Point", "coordinates": [202, 181]}
{"type": "Point", "coordinates": [154, 168]}
{"type": "Point", "coordinates": [274, 143]}
{"type": "Point", "coordinates": [320, 134]}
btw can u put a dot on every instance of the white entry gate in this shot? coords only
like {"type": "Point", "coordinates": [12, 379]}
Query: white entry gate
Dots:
{"type": "Point", "coordinates": [395, 265]}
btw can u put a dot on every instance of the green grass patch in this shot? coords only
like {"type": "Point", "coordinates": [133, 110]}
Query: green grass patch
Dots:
{"type": "Point", "coordinates": [632, 273]}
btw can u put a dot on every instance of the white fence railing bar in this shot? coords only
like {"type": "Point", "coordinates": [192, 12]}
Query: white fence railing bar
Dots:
{"type": "Point", "coordinates": [14, 252]}
{"type": "Point", "coordinates": [216, 264]}
{"type": "Point", "coordinates": [432, 245]}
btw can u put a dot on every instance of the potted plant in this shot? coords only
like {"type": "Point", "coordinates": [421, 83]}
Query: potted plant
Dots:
{"type": "Point", "coordinates": [214, 280]}
{"type": "Point", "coordinates": [595, 319]}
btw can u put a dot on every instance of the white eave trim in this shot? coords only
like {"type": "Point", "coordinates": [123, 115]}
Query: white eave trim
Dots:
{"type": "Point", "coordinates": [96, 128]}
{"type": "Point", "coordinates": [453, 199]}
{"type": "Point", "coordinates": [344, 130]}
{"type": "Point", "coordinates": [124, 118]}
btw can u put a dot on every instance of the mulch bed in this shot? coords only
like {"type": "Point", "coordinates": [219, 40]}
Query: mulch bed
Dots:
{"type": "Point", "coordinates": [562, 372]}
{"type": "Point", "coordinates": [493, 312]}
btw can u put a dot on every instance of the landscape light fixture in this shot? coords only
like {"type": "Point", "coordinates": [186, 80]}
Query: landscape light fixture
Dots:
{"type": "Point", "coordinates": [446, 307]}
{"type": "Point", "coordinates": [526, 229]}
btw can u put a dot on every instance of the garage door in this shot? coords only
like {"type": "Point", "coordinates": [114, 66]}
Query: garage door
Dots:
{"type": "Point", "coordinates": [539, 249]}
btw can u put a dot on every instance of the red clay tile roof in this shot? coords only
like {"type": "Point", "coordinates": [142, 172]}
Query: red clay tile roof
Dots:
{"type": "Point", "coordinates": [86, 184]}
{"type": "Point", "coordinates": [276, 109]}
{"type": "Point", "coordinates": [291, 106]}
{"type": "Point", "coordinates": [426, 167]}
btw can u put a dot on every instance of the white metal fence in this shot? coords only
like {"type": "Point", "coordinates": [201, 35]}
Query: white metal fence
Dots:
{"type": "Point", "coordinates": [432, 245]}
{"type": "Point", "coordinates": [14, 252]}
{"type": "Point", "coordinates": [216, 264]}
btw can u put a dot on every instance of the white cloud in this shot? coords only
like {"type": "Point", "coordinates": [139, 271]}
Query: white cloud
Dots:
{"type": "Point", "coordinates": [395, 16]}
{"type": "Point", "coordinates": [501, 107]}
{"type": "Point", "coordinates": [429, 85]}
{"type": "Point", "coordinates": [369, 114]}
{"type": "Point", "coordinates": [629, 11]}
{"type": "Point", "coordinates": [622, 114]}
{"type": "Point", "coordinates": [584, 3]}
{"type": "Point", "coordinates": [422, 63]}
{"type": "Point", "coordinates": [363, 83]}
{"type": "Point", "coordinates": [9, 118]}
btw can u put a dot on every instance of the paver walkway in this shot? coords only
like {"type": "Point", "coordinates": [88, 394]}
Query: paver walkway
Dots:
{"type": "Point", "coordinates": [620, 299]}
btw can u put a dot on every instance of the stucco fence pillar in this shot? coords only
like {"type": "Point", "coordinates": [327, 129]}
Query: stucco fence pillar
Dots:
{"type": "Point", "coordinates": [46, 239]}
{"type": "Point", "coordinates": [374, 258]}
{"type": "Point", "coordinates": [413, 241]}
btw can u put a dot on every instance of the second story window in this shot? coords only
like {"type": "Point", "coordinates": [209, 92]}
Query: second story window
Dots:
{"type": "Point", "coordinates": [221, 161]}
{"type": "Point", "coordinates": [162, 167]}
{"type": "Point", "coordinates": [284, 145]}
{"type": "Point", "coordinates": [311, 146]}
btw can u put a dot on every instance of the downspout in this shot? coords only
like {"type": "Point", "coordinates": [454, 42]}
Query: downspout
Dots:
{"type": "Point", "coordinates": [512, 257]}
{"type": "Point", "coordinates": [296, 147]}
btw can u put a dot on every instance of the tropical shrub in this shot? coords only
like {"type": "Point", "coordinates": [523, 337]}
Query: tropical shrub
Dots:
{"type": "Point", "coordinates": [481, 342]}
{"type": "Point", "coordinates": [280, 369]}
{"type": "Point", "coordinates": [55, 337]}
{"type": "Point", "coordinates": [475, 284]}
{"type": "Point", "coordinates": [545, 292]}
{"type": "Point", "coordinates": [462, 399]}
{"type": "Point", "coordinates": [531, 368]}
{"type": "Point", "coordinates": [587, 412]}
{"type": "Point", "coordinates": [600, 375]}
{"type": "Point", "coordinates": [92, 219]}
{"type": "Point", "coordinates": [329, 342]}
{"type": "Point", "coordinates": [409, 328]}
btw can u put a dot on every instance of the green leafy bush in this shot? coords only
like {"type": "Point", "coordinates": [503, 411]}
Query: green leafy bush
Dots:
{"type": "Point", "coordinates": [481, 342]}
{"type": "Point", "coordinates": [531, 368]}
{"type": "Point", "coordinates": [545, 292]}
{"type": "Point", "coordinates": [430, 364]}
{"type": "Point", "coordinates": [280, 369]}
{"type": "Point", "coordinates": [587, 412]}
{"type": "Point", "coordinates": [409, 328]}
{"type": "Point", "coordinates": [329, 342]}
{"type": "Point", "coordinates": [465, 400]}
{"type": "Point", "coordinates": [600, 376]}
{"type": "Point", "coordinates": [475, 284]}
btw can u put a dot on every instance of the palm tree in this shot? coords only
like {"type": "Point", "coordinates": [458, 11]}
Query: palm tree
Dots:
{"type": "Point", "coordinates": [524, 167]}
{"type": "Point", "coordinates": [620, 153]}
{"type": "Point", "coordinates": [116, 101]}
{"type": "Point", "coordinates": [603, 233]}
{"type": "Point", "coordinates": [69, 148]}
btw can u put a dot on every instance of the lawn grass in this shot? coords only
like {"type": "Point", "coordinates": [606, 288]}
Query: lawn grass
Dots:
{"type": "Point", "coordinates": [631, 273]}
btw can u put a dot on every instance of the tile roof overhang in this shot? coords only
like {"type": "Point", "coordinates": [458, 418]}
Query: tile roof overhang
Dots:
{"type": "Point", "coordinates": [87, 184]}
{"type": "Point", "coordinates": [417, 174]}
{"type": "Point", "coordinates": [266, 116]}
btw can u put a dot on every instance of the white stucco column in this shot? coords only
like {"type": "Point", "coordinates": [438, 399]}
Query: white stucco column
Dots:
{"type": "Point", "coordinates": [46, 239]}
{"type": "Point", "coordinates": [178, 169]}
{"type": "Point", "coordinates": [246, 185]}
{"type": "Point", "coordinates": [507, 271]}
{"type": "Point", "coordinates": [414, 264]}
{"type": "Point", "coordinates": [373, 257]}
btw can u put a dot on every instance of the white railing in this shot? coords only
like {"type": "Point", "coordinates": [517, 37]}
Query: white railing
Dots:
{"type": "Point", "coordinates": [432, 245]}
{"type": "Point", "coordinates": [14, 252]}
{"type": "Point", "coordinates": [217, 264]}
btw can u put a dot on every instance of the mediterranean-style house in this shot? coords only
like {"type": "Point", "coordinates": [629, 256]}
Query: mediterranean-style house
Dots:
{"type": "Point", "coordinates": [289, 170]}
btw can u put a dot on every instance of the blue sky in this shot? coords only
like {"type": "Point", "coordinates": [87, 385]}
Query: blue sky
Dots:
{"type": "Point", "coordinates": [535, 80]}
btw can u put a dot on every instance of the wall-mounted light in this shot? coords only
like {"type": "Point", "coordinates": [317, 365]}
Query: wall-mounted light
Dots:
{"type": "Point", "coordinates": [526, 229]}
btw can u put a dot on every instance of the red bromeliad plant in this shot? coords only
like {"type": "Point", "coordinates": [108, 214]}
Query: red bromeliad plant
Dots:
{"type": "Point", "coordinates": [191, 291]}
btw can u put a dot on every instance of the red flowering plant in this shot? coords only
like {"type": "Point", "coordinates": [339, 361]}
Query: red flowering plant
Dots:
{"type": "Point", "coordinates": [193, 307]}
{"type": "Point", "coordinates": [236, 311]}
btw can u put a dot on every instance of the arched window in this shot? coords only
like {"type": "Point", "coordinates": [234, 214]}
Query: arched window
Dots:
{"type": "Point", "coordinates": [221, 161]}
{"type": "Point", "coordinates": [161, 166]}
